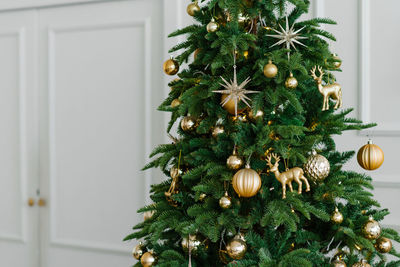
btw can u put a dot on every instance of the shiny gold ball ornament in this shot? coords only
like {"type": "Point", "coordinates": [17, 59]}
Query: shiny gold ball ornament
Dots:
{"type": "Point", "coordinates": [217, 130]}
{"type": "Point", "coordinates": [317, 167]}
{"type": "Point", "coordinates": [188, 123]}
{"type": "Point", "coordinates": [212, 26]}
{"type": "Point", "coordinates": [270, 70]}
{"type": "Point", "coordinates": [291, 82]}
{"type": "Point", "coordinates": [337, 61]}
{"type": "Point", "coordinates": [137, 251]}
{"type": "Point", "coordinates": [230, 105]}
{"type": "Point", "coordinates": [234, 162]}
{"type": "Point", "coordinates": [255, 116]}
{"type": "Point", "coordinates": [171, 66]}
{"type": "Point", "coordinates": [246, 182]}
{"type": "Point", "coordinates": [338, 263]}
{"type": "Point", "coordinates": [383, 245]}
{"type": "Point", "coordinates": [237, 247]}
{"type": "Point", "coordinates": [370, 156]}
{"type": "Point", "coordinates": [202, 196]}
{"type": "Point", "coordinates": [337, 216]}
{"type": "Point", "coordinates": [192, 8]}
{"type": "Point", "coordinates": [176, 102]}
{"type": "Point", "coordinates": [225, 202]}
{"type": "Point", "coordinates": [148, 259]}
{"type": "Point", "coordinates": [192, 241]}
{"type": "Point", "coordinates": [371, 229]}
{"type": "Point", "coordinates": [362, 263]}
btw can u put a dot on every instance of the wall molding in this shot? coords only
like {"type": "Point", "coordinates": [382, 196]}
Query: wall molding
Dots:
{"type": "Point", "coordinates": [7, 5]}
{"type": "Point", "coordinates": [318, 9]}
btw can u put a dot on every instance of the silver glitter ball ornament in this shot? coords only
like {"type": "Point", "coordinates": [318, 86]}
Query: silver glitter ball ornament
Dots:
{"type": "Point", "coordinates": [317, 167]}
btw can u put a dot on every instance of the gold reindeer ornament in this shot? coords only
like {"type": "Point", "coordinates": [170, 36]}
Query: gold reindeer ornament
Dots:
{"type": "Point", "coordinates": [333, 90]}
{"type": "Point", "coordinates": [287, 177]}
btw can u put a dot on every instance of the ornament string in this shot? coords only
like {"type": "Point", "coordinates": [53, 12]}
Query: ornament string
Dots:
{"type": "Point", "coordinates": [190, 252]}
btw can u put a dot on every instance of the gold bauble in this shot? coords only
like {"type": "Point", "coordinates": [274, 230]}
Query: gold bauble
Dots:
{"type": "Point", "coordinates": [175, 172]}
{"type": "Point", "coordinates": [270, 70]}
{"type": "Point", "coordinates": [188, 123]}
{"type": "Point", "coordinates": [371, 229]}
{"type": "Point", "coordinates": [370, 157]}
{"type": "Point", "coordinates": [192, 8]}
{"type": "Point", "coordinates": [362, 263]}
{"type": "Point", "coordinates": [383, 245]}
{"type": "Point", "coordinates": [317, 167]}
{"type": "Point", "coordinates": [236, 248]}
{"type": "Point", "coordinates": [230, 105]}
{"type": "Point", "coordinates": [212, 26]}
{"type": "Point", "coordinates": [137, 251]}
{"type": "Point", "coordinates": [148, 214]}
{"type": "Point", "coordinates": [291, 82]}
{"type": "Point", "coordinates": [176, 102]}
{"type": "Point", "coordinates": [217, 130]}
{"type": "Point", "coordinates": [337, 217]}
{"type": "Point", "coordinates": [234, 162]}
{"type": "Point", "coordinates": [259, 114]}
{"type": "Point", "coordinates": [246, 182]}
{"type": "Point", "coordinates": [225, 202]}
{"type": "Point", "coordinates": [338, 263]}
{"type": "Point", "coordinates": [148, 259]}
{"type": "Point", "coordinates": [171, 66]}
{"type": "Point", "coordinates": [193, 241]}
{"type": "Point", "coordinates": [202, 196]}
{"type": "Point", "coordinates": [338, 62]}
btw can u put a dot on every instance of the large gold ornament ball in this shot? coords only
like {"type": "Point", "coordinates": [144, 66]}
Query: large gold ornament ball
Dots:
{"type": "Point", "coordinates": [270, 70]}
{"type": "Point", "coordinates": [217, 130]}
{"type": "Point", "coordinates": [338, 263]}
{"type": "Point", "coordinates": [192, 8]}
{"type": "Point", "coordinates": [371, 229]}
{"type": "Point", "coordinates": [258, 115]}
{"type": "Point", "coordinates": [148, 259]}
{"type": "Point", "coordinates": [291, 82]}
{"type": "Point", "coordinates": [338, 62]}
{"type": "Point", "coordinates": [246, 182]}
{"type": "Point", "coordinates": [337, 217]}
{"type": "Point", "coordinates": [362, 263]}
{"type": "Point", "coordinates": [176, 102]}
{"type": "Point", "coordinates": [236, 248]}
{"type": "Point", "coordinates": [383, 245]}
{"type": "Point", "coordinates": [370, 157]}
{"type": "Point", "coordinates": [188, 123]}
{"type": "Point", "coordinates": [171, 66]}
{"type": "Point", "coordinates": [225, 202]}
{"type": "Point", "coordinates": [192, 241]}
{"type": "Point", "coordinates": [317, 167]}
{"type": "Point", "coordinates": [234, 162]}
{"type": "Point", "coordinates": [230, 105]}
{"type": "Point", "coordinates": [212, 26]}
{"type": "Point", "coordinates": [137, 251]}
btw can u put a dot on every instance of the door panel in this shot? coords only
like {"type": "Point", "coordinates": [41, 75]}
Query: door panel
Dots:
{"type": "Point", "coordinates": [97, 128]}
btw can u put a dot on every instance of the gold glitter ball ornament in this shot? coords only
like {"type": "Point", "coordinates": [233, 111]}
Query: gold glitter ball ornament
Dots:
{"type": "Point", "coordinates": [317, 167]}
{"type": "Point", "coordinates": [188, 123]}
{"type": "Point", "coordinates": [212, 26]}
{"type": "Point", "coordinates": [192, 8]}
{"type": "Point", "coordinates": [225, 202]}
{"type": "Point", "coordinates": [371, 229]}
{"type": "Point", "coordinates": [148, 259]}
{"type": "Point", "coordinates": [291, 82]}
{"type": "Point", "coordinates": [337, 216]}
{"type": "Point", "coordinates": [237, 247]}
{"type": "Point", "coordinates": [270, 70]}
{"type": "Point", "coordinates": [383, 245]}
{"type": "Point", "coordinates": [171, 66]}
{"type": "Point", "coordinates": [137, 251]}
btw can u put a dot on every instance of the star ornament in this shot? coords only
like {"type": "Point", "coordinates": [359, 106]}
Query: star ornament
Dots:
{"type": "Point", "coordinates": [235, 92]}
{"type": "Point", "coordinates": [288, 36]}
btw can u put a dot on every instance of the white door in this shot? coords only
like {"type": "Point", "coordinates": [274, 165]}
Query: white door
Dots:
{"type": "Point", "coordinates": [100, 80]}
{"type": "Point", "coordinates": [18, 142]}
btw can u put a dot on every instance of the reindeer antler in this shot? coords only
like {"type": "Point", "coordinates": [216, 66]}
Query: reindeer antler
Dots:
{"type": "Point", "coordinates": [269, 159]}
{"type": "Point", "coordinates": [315, 77]}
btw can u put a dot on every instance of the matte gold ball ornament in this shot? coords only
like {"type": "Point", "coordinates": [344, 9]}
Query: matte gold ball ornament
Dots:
{"type": "Point", "coordinates": [337, 216]}
{"type": "Point", "coordinates": [171, 66]}
{"type": "Point", "coordinates": [212, 26]}
{"type": "Point", "coordinates": [148, 259]}
{"type": "Point", "coordinates": [137, 251]}
{"type": "Point", "coordinates": [338, 263]}
{"type": "Point", "coordinates": [370, 156]}
{"type": "Point", "coordinates": [317, 167]}
{"type": "Point", "coordinates": [371, 229]}
{"type": "Point", "coordinates": [225, 202]}
{"type": "Point", "coordinates": [246, 182]}
{"type": "Point", "coordinates": [270, 70]}
{"type": "Point", "coordinates": [234, 162]}
{"type": "Point", "coordinates": [192, 8]}
{"type": "Point", "coordinates": [237, 247]}
{"type": "Point", "coordinates": [176, 102]}
{"type": "Point", "coordinates": [383, 245]}
{"type": "Point", "coordinates": [217, 130]}
{"type": "Point", "coordinates": [362, 263]}
{"type": "Point", "coordinates": [291, 82]}
{"type": "Point", "coordinates": [188, 123]}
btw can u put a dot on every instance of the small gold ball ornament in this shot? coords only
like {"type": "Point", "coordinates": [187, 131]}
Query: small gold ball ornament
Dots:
{"type": "Point", "coordinates": [192, 241]}
{"type": "Point", "coordinates": [230, 105]}
{"type": "Point", "coordinates": [148, 259]}
{"type": "Point", "coordinates": [383, 245]}
{"type": "Point", "coordinates": [258, 115]}
{"type": "Point", "coordinates": [217, 130]}
{"type": "Point", "coordinates": [337, 216]}
{"type": "Point", "coordinates": [237, 247]}
{"type": "Point", "coordinates": [371, 229]}
{"type": "Point", "coordinates": [234, 162]}
{"type": "Point", "coordinates": [202, 196]}
{"type": "Point", "coordinates": [362, 263]}
{"type": "Point", "coordinates": [171, 66]}
{"type": "Point", "coordinates": [246, 182]}
{"type": "Point", "coordinates": [188, 123]}
{"type": "Point", "coordinates": [370, 156]}
{"type": "Point", "coordinates": [337, 61]}
{"type": "Point", "coordinates": [338, 263]}
{"type": "Point", "coordinates": [212, 26]}
{"type": "Point", "coordinates": [317, 167]}
{"type": "Point", "coordinates": [137, 251]}
{"type": "Point", "coordinates": [176, 102]}
{"type": "Point", "coordinates": [291, 82]}
{"type": "Point", "coordinates": [225, 202]}
{"type": "Point", "coordinates": [148, 214]}
{"type": "Point", "coordinates": [270, 70]}
{"type": "Point", "coordinates": [192, 8]}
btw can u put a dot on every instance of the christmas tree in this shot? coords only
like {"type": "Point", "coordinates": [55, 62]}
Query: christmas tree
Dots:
{"type": "Point", "coordinates": [254, 177]}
